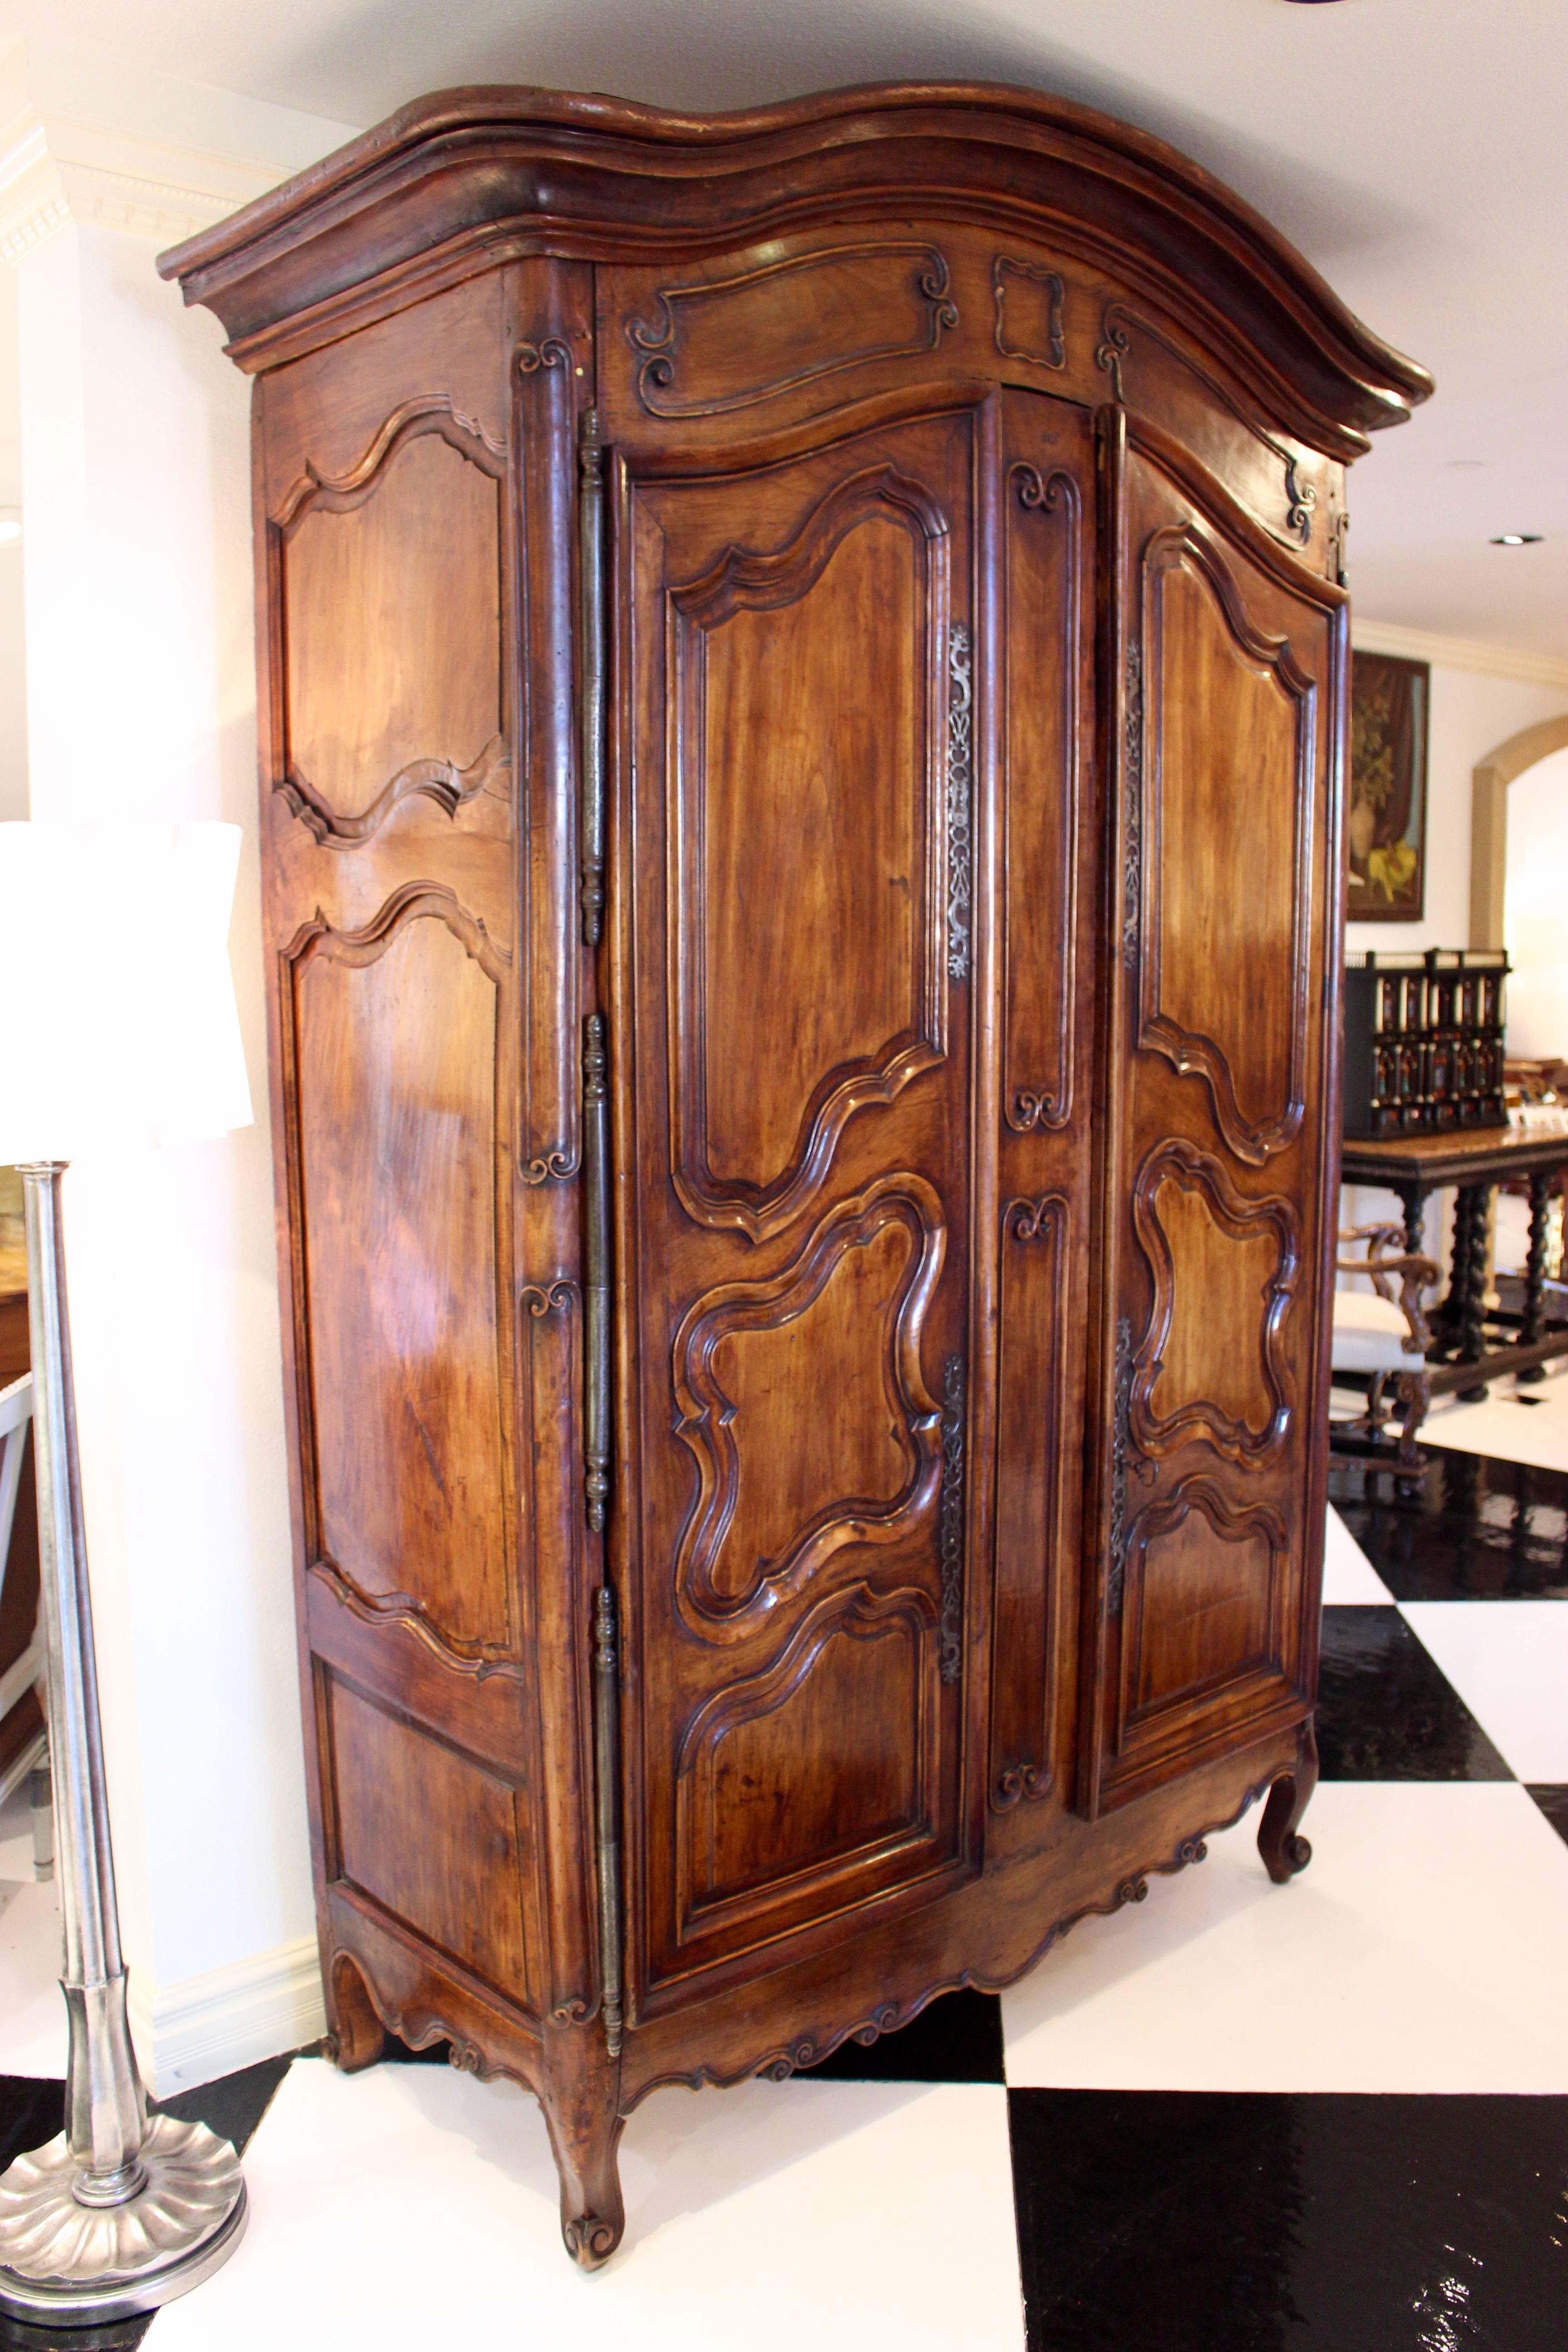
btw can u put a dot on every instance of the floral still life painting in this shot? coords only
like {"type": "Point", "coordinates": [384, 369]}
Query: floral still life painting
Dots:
{"type": "Point", "coordinates": [1387, 826]}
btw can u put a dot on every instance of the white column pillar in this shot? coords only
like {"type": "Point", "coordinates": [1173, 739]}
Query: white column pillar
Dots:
{"type": "Point", "coordinates": [140, 693]}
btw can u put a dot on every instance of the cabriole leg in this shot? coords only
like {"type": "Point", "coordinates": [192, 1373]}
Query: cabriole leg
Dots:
{"type": "Point", "coordinates": [582, 2108]}
{"type": "Point", "coordinates": [1284, 1854]}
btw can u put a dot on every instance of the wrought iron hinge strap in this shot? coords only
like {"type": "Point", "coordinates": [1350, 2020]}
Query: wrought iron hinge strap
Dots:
{"type": "Point", "coordinates": [960, 800]}
{"type": "Point", "coordinates": [596, 1270]}
{"type": "Point", "coordinates": [608, 1818]}
{"type": "Point", "coordinates": [591, 670]}
{"type": "Point", "coordinates": [951, 1537]}
{"type": "Point", "coordinates": [1133, 832]}
{"type": "Point", "coordinates": [1120, 1440]}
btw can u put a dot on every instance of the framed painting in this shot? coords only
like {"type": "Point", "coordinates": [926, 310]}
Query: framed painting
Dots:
{"type": "Point", "coordinates": [1387, 832]}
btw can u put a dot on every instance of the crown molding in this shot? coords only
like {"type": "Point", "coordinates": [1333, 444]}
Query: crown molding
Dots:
{"type": "Point", "coordinates": [115, 147]}
{"type": "Point", "coordinates": [1458, 653]}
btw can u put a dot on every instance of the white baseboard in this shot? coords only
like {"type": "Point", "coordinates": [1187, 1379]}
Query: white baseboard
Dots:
{"type": "Point", "coordinates": [192, 2033]}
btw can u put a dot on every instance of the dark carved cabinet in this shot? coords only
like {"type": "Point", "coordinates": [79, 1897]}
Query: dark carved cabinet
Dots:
{"type": "Point", "coordinates": [803, 666]}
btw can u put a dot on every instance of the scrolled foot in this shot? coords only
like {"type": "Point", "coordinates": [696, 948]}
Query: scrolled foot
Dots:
{"type": "Point", "coordinates": [356, 2037]}
{"type": "Point", "coordinates": [580, 2096]}
{"type": "Point", "coordinates": [592, 2238]}
{"type": "Point", "coordinates": [1284, 1852]}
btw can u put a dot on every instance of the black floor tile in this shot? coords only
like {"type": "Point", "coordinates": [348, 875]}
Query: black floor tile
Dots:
{"type": "Point", "coordinates": [114, 2336]}
{"type": "Point", "coordinates": [1388, 1712]}
{"type": "Point", "coordinates": [398, 2052]}
{"type": "Point", "coordinates": [1553, 1803]}
{"type": "Point", "coordinates": [232, 2105]}
{"type": "Point", "coordinates": [1475, 1529]}
{"type": "Point", "coordinates": [32, 2110]}
{"type": "Point", "coordinates": [955, 2039]}
{"type": "Point", "coordinates": [1188, 2222]}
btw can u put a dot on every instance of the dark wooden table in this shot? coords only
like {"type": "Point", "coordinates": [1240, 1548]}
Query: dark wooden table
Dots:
{"type": "Point", "coordinates": [1471, 1347]}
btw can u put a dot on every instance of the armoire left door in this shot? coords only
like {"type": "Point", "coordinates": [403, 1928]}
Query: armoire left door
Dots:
{"type": "Point", "coordinates": [792, 949]}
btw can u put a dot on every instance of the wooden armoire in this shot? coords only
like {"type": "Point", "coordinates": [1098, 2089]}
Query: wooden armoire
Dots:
{"type": "Point", "coordinates": [803, 663]}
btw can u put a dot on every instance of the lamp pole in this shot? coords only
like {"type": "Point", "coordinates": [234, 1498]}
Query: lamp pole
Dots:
{"type": "Point", "coordinates": [120, 2212]}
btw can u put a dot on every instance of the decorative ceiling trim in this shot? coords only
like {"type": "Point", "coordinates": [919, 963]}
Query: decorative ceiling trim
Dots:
{"type": "Point", "coordinates": [54, 172]}
{"type": "Point", "coordinates": [1459, 653]}
{"type": "Point", "coordinates": [108, 155]}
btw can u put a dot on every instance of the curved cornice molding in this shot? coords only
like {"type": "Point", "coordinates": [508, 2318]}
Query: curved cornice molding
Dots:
{"type": "Point", "coordinates": [469, 177]}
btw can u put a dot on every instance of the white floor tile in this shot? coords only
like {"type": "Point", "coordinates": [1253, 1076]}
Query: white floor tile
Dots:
{"type": "Point", "coordinates": [1536, 1432]}
{"type": "Point", "coordinates": [772, 2217]}
{"type": "Point", "coordinates": [1424, 1948]}
{"type": "Point", "coordinates": [1348, 1577]}
{"type": "Point", "coordinates": [32, 2011]}
{"type": "Point", "coordinates": [1509, 1661]}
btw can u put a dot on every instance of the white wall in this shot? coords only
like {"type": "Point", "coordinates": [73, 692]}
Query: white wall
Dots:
{"type": "Point", "coordinates": [13, 674]}
{"type": "Point", "coordinates": [141, 689]}
{"type": "Point", "coordinates": [141, 680]}
{"type": "Point", "coordinates": [1535, 909]}
{"type": "Point", "coordinates": [1472, 714]}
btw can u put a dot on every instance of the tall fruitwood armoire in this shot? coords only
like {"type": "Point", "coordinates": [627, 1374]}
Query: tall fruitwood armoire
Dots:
{"type": "Point", "coordinates": [804, 669]}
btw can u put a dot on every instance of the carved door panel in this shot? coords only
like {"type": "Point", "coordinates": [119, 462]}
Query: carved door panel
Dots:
{"type": "Point", "coordinates": [405, 486]}
{"type": "Point", "coordinates": [1231, 664]}
{"type": "Point", "coordinates": [791, 928]}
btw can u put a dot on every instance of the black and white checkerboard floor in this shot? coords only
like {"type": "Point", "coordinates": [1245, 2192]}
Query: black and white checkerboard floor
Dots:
{"type": "Point", "coordinates": [1231, 2119]}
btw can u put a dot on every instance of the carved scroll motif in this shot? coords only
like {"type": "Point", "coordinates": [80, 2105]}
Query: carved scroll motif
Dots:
{"type": "Point", "coordinates": [959, 800]}
{"type": "Point", "coordinates": [740, 1314]}
{"type": "Point", "coordinates": [1255, 1226]}
{"type": "Point", "coordinates": [1300, 497]}
{"type": "Point", "coordinates": [1052, 289]}
{"type": "Point", "coordinates": [701, 325]}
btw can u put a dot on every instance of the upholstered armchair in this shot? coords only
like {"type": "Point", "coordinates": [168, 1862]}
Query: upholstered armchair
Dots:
{"type": "Point", "coordinates": [1381, 1336]}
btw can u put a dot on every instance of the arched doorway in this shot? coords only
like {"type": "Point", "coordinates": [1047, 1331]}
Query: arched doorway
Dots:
{"type": "Point", "coordinates": [1488, 822]}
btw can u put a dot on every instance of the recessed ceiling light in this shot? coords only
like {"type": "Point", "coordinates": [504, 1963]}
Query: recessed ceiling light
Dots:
{"type": "Point", "coordinates": [1516, 539]}
{"type": "Point", "coordinates": [10, 526]}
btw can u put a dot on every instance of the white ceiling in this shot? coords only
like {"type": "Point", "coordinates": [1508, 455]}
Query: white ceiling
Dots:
{"type": "Point", "coordinates": [1414, 149]}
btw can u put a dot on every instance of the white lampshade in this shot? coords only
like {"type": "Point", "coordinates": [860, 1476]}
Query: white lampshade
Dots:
{"type": "Point", "coordinates": [118, 1022]}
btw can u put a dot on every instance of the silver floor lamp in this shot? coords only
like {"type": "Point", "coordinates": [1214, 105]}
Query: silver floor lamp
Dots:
{"type": "Point", "coordinates": [138, 1041]}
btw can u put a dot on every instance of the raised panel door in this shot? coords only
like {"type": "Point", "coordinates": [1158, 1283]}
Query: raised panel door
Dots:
{"type": "Point", "coordinates": [1229, 658]}
{"type": "Point", "coordinates": [791, 908]}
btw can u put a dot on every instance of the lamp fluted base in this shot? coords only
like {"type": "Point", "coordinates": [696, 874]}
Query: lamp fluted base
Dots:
{"type": "Point", "coordinates": [71, 2262]}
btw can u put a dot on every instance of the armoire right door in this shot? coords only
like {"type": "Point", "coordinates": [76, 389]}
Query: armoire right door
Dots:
{"type": "Point", "coordinates": [1226, 658]}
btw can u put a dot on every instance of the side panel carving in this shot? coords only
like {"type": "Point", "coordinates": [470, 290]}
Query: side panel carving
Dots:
{"type": "Point", "coordinates": [778, 1494]}
{"type": "Point", "coordinates": [1203, 1611]}
{"type": "Point", "coordinates": [392, 1139]}
{"type": "Point", "coordinates": [732, 342]}
{"type": "Point", "coordinates": [459, 1882]}
{"type": "Point", "coordinates": [1225, 1270]}
{"type": "Point", "coordinates": [387, 600]}
{"type": "Point", "coordinates": [1033, 1344]}
{"type": "Point", "coordinates": [822, 1759]}
{"type": "Point", "coordinates": [781, 767]}
{"type": "Point", "coordinates": [1231, 758]}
